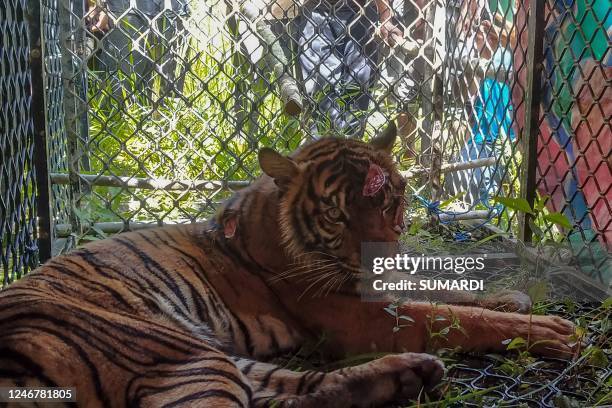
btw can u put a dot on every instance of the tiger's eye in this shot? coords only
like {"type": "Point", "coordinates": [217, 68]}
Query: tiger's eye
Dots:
{"type": "Point", "coordinates": [334, 213]}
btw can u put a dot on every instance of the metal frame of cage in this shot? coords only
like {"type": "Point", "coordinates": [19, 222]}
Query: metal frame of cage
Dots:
{"type": "Point", "coordinates": [42, 177]}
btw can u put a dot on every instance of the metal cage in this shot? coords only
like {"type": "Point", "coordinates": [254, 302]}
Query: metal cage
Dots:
{"type": "Point", "coordinates": [119, 115]}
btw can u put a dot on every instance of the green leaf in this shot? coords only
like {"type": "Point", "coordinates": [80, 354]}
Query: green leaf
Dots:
{"type": "Point", "coordinates": [81, 215]}
{"type": "Point", "coordinates": [569, 305]}
{"type": "Point", "coordinates": [509, 368]}
{"type": "Point", "coordinates": [607, 304]}
{"type": "Point", "coordinates": [597, 357]}
{"type": "Point", "coordinates": [515, 344]}
{"type": "Point", "coordinates": [540, 203]}
{"type": "Point", "coordinates": [559, 219]}
{"type": "Point", "coordinates": [457, 196]}
{"type": "Point", "coordinates": [99, 231]}
{"type": "Point", "coordinates": [518, 204]}
{"type": "Point", "coordinates": [580, 332]}
{"type": "Point", "coordinates": [414, 228]}
{"type": "Point", "coordinates": [582, 322]}
{"type": "Point", "coordinates": [408, 318]}
{"type": "Point", "coordinates": [605, 325]}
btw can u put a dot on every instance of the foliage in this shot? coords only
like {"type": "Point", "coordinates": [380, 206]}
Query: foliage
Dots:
{"type": "Point", "coordinates": [210, 132]}
{"type": "Point", "coordinates": [541, 219]}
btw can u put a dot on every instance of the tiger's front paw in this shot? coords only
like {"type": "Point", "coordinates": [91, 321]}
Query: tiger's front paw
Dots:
{"type": "Point", "coordinates": [552, 336]}
{"type": "Point", "coordinates": [393, 379]}
{"type": "Point", "coordinates": [403, 377]}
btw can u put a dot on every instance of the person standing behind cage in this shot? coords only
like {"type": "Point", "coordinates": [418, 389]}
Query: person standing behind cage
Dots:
{"type": "Point", "coordinates": [337, 57]}
{"type": "Point", "coordinates": [138, 42]}
{"type": "Point", "coordinates": [491, 117]}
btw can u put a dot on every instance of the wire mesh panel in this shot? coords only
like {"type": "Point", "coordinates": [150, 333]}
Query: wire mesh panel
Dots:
{"type": "Point", "coordinates": [18, 250]}
{"type": "Point", "coordinates": [574, 167]}
{"type": "Point", "coordinates": [55, 111]}
{"type": "Point", "coordinates": [163, 105]}
{"type": "Point", "coordinates": [163, 112]}
{"type": "Point", "coordinates": [479, 120]}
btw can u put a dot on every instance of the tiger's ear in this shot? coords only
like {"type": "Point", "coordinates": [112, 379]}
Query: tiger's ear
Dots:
{"type": "Point", "coordinates": [282, 169]}
{"type": "Point", "coordinates": [386, 139]}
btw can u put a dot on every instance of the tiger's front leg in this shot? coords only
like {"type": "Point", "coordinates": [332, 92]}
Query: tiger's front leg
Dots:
{"type": "Point", "coordinates": [391, 379]}
{"type": "Point", "coordinates": [360, 327]}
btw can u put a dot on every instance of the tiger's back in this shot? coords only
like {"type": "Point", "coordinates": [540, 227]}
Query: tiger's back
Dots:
{"type": "Point", "coordinates": [117, 314]}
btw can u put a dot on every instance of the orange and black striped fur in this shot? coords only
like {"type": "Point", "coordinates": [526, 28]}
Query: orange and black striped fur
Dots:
{"type": "Point", "coordinates": [186, 315]}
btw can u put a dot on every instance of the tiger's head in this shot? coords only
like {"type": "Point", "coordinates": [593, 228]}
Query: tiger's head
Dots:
{"type": "Point", "coordinates": [334, 194]}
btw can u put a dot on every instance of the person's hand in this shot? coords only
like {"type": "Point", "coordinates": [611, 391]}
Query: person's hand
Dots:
{"type": "Point", "coordinates": [390, 33]}
{"type": "Point", "coordinates": [100, 20]}
{"type": "Point", "coordinates": [418, 30]}
{"type": "Point", "coordinates": [487, 39]}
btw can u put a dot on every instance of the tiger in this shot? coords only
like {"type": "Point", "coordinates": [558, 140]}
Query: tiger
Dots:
{"type": "Point", "coordinates": [192, 315]}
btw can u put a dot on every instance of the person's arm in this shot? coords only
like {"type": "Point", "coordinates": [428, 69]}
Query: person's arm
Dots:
{"type": "Point", "coordinates": [98, 16]}
{"type": "Point", "coordinates": [506, 31]}
{"type": "Point", "coordinates": [491, 36]}
{"type": "Point", "coordinates": [389, 31]}
{"type": "Point", "coordinates": [385, 11]}
{"type": "Point", "coordinates": [419, 26]}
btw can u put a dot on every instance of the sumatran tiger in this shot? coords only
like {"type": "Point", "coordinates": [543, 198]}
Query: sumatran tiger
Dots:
{"type": "Point", "coordinates": [187, 315]}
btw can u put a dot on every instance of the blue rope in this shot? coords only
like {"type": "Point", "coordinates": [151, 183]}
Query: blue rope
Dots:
{"type": "Point", "coordinates": [461, 236]}
{"type": "Point", "coordinates": [433, 208]}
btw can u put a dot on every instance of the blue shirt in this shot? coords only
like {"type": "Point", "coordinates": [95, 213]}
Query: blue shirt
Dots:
{"type": "Point", "coordinates": [493, 105]}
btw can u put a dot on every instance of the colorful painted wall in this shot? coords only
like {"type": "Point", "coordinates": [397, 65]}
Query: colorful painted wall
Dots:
{"type": "Point", "coordinates": [575, 140]}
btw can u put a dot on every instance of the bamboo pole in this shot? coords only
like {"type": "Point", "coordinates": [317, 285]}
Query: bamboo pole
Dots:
{"type": "Point", "coordinates": [64, 230]}
{"type": "Point", "coordinates": [213, 185]}
{"type": "Point", "coordinates": [470, 215]}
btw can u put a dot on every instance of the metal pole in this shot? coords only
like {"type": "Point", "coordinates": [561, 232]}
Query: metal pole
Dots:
{"type": "Point", "coordinates": [432, 106]}
{"type": "Point", "coordinates": [73, 109]}
{"type": "Point", "coordinates": [533, 92]}
{"type": "Point", "coordinates": [37, 109]}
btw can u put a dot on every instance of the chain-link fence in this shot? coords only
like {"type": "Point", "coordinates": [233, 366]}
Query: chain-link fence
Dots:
{"type": "Point", "coordinates": [574, 166]}
{"type": "Point", "coordinates": [165, 105]}
{"type": "Point", "coordinates": [18, 250]}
